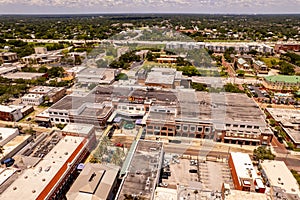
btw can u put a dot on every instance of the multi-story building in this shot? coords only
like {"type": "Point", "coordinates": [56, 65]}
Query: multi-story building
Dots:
{"type": "Point", "coordinates": [8, 57]}
{"type": "Point", "coordinates": [289, 121]}
{"type": "Point", "coordinates": [50, 176]}
{"type": "Point", "coordinates": [282, 82]}
{"type": "Point", "coordinates": [96, 76]}
{"type": "Point", "coordinates": [40, 50]}
{"type": "Point", "coordinates": [221, 47]}
{"type": "Point", "coordinates": [54, 94]}
{"type": "Point", "coordinates": [244, 175]}
{"type": "Point", "coordinates": [287, 47]}
{"type": "Point", "coordinates": [260, 67]}
{"type": "Point", "coordinates": [163, 77]}
{"type": "Point", "coordinates": [224, 117]}
{"type": "Point", "coordinates": [7, 134]}
{"type": "Point", "coordinates": [80, 110]}
{"type": "Point", "coordinates": [280, 179]}
{"type": "Point", "coordinates": [227, 117]}
{"type": "Point", "coordinates": [142, 171]}
{"type": "Point", "coordinates": [32, 99]}
{"type": "Point", "coordinates": [96, 181]}
{"type": "Point", "coordinates": [9, 113]}
{"type": "Point", "coordinates": [25, 75]}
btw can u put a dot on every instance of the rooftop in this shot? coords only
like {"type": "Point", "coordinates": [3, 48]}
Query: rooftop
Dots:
{"type": "Point", "coordinates": [23, 75]}
{"type": "Point", "coordinates": [238, 194]}
{"type": "Point", "coordinates": [82, 129]}
{"type": "Point", "coordinates": [94, 182]}
{"type": "Point", "coordinates": [7, 108]}
{"type": "Point", "coordinates": [165, 193]}
{"type": "Point", "coordinates": [143, 171]}
{"type": "Point", "coordinates": [160, 78]}
{"type": "Point", "coordinates": [6, 133]}
{"type": "Point", "coordinates": [243, 166]}
{"type": "Point", "coordinates": [283, 78]}
{"type": "Point", "coordinates": [34, 180]}
{"type": "Point", "coordinates": [279, 175]}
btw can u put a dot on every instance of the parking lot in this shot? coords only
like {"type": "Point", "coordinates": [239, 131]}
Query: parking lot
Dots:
{"type": "Point", "coordinates": [189, 173]}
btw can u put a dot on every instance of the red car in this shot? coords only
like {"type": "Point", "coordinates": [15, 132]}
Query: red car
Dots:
{"type": "Point", "coordinates": [119, 144]}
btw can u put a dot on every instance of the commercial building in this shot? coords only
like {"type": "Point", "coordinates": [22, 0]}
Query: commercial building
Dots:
{"type": "Point", "coordinates": [25, 75]}
{"type": "Point", "coordinates": [163, 77]}
{"type": "Point", "coordinates": [10, 113]}
{"type": "Point", "coordinates": [281, 82]}
{"type": "Point", "coordinates": [244, 175]}
{"type": "Point", "coordinates": [47, 179]}
{"type": "Point", "coordinates": [96, 76]}
{"type": "Point", "coordinates": [96, 181]}
{"type": "Point", "coordinates": [32, 99]}
{"type": "Point", "coordinates": [287, 47]}
{"type": "Point", "coordinates": [219, 47]}
{"type": "Point", "coordinates": [14, 146]}
{"type": "Point", "coordinates": [231, 194]}
{"type": "Point", "coordinates": [8, 57]}
{"type": "Point", "coordinates": [280, 179]}
{"type": "Point", "coordinates": [40, 50]}
{"type": "Point", "coordinates": [54, 94]}
{"type": "Point", "coordinates": [260, 67]}
{"type": "Point", "coordinates": [289, 120]}
{"type": "Point", "coordinates": [142, 172]}
{"type": "Point", "coordinates": [81, 130]}
{"type": "Point", "coordinates": [242, 64]}
{"type": "Point", "coordinates": [224, 117]}
{"type": "Point", "coordinates": [7, 134]}
{"type": "Point", "coordinates": [78, 109]}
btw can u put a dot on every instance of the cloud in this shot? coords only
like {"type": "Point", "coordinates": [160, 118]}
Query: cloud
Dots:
{"type": "Point", "coordinates": [233, 6]}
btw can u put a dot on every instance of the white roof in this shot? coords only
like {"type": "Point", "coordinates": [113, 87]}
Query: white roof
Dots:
{"type": "Point", "coordinates": [165, 193]}
{"type": "Point", "coordinates": [243, 165]}
{"type": "Point", "coordinates": [34, 180]}
{"type": "Point", "coordinates": [5, 173]}
{"type": "Point", "coordinates": [78, 128]}
{"type": "Point", "coordinates": [160, 78]}
{"type": "Point", "coordinates": [6, 109]}
{"type": "Point", "coordinates": [7, 132]}
{"type": "Point", "coordinates": [279, 175]}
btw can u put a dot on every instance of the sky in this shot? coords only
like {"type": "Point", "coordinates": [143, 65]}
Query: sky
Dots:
{"type": "Point", "coordinates": [150, 6]}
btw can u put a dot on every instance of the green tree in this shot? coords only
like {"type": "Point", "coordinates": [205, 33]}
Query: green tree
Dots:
{"type": "Point", "coordinates": [286, 68]}
{"type": "Point", "coordinates": [262, 153]}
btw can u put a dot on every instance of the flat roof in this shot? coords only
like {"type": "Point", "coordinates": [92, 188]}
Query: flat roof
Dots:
{"type": "Point", "coordinates": [94, 182]}
{"type": "Point", "coordinates": [34, 180]}
{"type": "Point", "coordinates": [279, 175]}
{"type": "Point", "coordinates": [6, 173]}
{"type": "Point", "coordinates": [14, 143]}
{"type": "Point", "coordinates": [165, 193]}
{"type": "Point", "coordinates": [238, 194]}
{"type": "Point", "coordinates": [143, 170]}
{"type": "Point", "coordinates": [7, 108]}
{"type": "Point", "coordinates": [78, 128]}
{"type": "Point", "coordinates": [285, 116]}
{"type": "Point", "coordinates": [23, 75]}
{"type": "Point", "coordinates": [156, 77]}
{"type": "Point", "coordinates": [6, 133]}
{"type": "Point", "coordinates": [243, 165]}
{"type": "Point", "coordinates": [232, 108]}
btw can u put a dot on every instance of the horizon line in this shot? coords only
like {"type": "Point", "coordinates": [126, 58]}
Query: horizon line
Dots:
{"type": "Point", "coordinates": [146, 13]}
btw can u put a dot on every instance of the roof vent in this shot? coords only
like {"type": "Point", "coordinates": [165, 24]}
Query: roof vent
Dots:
{"type": "Point", "coordinates": [33, 191]}
{"type": "Point", "coordinates": [26, 177]}
{"type": "Point", "coordinates": [43, 179]}
{"type": "Point", "coordinates": [14, 188]}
